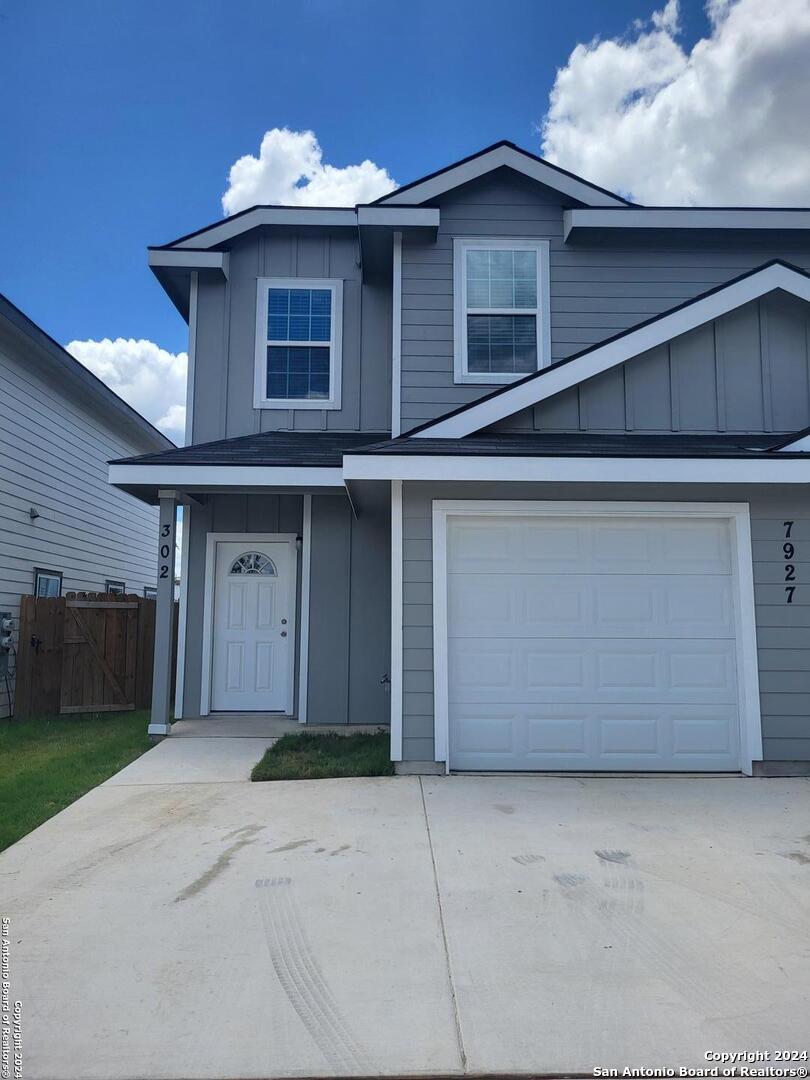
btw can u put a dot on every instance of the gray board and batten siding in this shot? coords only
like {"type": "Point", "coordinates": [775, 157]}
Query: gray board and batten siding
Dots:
{"type": "Point", "coordinates": [226, 336]}
{"type": "Point", "coordinates": [350, 613]}
{"type": "Point", "coordinates": [783, 630]}
{"type": "Point", "coordinates": [746, 372]}
{"type": "Point", "coordinates": [597, 290]}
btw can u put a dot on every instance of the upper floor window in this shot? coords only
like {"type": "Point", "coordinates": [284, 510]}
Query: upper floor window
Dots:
{"type": "Point", "coordinates": [501, 309]}
{"type": "Point", "coordinates": [298, 343]}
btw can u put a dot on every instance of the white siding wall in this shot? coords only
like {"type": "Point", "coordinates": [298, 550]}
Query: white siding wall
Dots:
{"type": "Point", "coordinates": [53, 456]}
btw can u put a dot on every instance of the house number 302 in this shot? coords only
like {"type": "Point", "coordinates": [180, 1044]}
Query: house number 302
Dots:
{"type": "Point", "coordinates": [789, 552]}
{"type": "Point", "coordinates": [165, 550]}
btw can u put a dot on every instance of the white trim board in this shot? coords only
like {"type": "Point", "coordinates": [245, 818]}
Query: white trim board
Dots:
{"type": "Point", "coordinates": [657, 331]}
{"type": "Point", "coordinates": [396, 620]}
{"type": "Point", "coordinates": [494, 158]}
{"type": "Point", "coordinates": [396, 336]}
{"type": "Point", "coordinates": [736, 513]}
{"type": "Point", "coordinates": [182, 614]}
{"type": "Point", "coordinates": [348, 217]}
{"type": "Point", "coordinates": [189, 260]}
{"type": "Point", "coordinates": [303, 633]}
{"type": "Point", "coordinates": [631, 470]}
{"type": "Point", "coordinates": [211, 541]}
{"type": "Point", "coordinates": [652, 217]}
{"type": "Point", "coordinates": [238, 476]}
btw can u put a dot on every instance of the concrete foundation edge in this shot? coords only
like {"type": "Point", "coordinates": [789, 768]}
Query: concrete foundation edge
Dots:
{"type": "Point", "coordinates": [419, 768]}
{"type": "Point", "coordinates": [781, 768]}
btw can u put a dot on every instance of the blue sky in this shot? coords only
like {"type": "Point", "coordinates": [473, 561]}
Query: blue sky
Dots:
{"type": "Point", "coordinates": [123, 118]}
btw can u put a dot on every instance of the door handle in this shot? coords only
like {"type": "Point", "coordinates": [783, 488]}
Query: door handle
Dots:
{"type": "Point", "coordinates": [283, 633]}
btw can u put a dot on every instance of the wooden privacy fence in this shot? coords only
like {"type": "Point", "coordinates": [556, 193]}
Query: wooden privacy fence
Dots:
{"type": "Point", "coordinates": [85, 652]}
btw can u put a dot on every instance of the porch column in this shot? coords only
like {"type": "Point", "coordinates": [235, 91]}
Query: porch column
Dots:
{"type": "Point", "coordinates": [164, 617]}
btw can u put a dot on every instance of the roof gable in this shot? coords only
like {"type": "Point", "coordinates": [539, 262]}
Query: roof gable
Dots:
{"type": "Point", "coordinates": [617, 350]}
{"type": "Point", "coordinates": [495, 157]}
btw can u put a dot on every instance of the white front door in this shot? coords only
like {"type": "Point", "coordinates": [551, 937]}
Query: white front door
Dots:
{"type": "Point", "coordinates": [253, 632]}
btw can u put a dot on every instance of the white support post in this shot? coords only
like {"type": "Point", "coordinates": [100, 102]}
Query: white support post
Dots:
{"type": "Point", "coordinates": [306, 569]}
{"type": "Point", "coordinates": [159, 722]}
{"type": "Point", "coordinates": [396, 340]}
{"type": "Point", "coordinates": [396, 620]}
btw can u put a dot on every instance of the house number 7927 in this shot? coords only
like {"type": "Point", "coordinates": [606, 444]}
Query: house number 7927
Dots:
{"type": "Point", "coordinates": [789, 552]}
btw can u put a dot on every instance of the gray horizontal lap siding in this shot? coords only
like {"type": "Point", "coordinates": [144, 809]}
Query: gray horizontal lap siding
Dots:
{"type": "Point", "coordinates": [783, 630]}
{"type": "Point", "coordinates": [596, 291]}
{"type": "Point", "coordinates": [226, 336]}
{"type": "Point", "coordinates": [53, 457]}
{"type": "Point", "coordinates": [350, 612]}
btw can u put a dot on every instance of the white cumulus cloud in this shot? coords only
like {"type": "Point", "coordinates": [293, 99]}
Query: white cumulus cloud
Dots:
{"type": "Point", "coordinates": [724, 122]}
{"type": "Point", "coordinates": [150, 379]}
{"type": "Point", "coordinates": [290, 171]}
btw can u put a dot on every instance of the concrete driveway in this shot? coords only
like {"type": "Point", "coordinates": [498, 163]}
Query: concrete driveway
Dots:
{"type": "Point", "coordinates": [180, 922]}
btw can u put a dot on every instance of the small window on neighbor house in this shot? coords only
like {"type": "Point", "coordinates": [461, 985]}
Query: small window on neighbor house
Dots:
{"type": "Point", "coordinates": [501, 323]}
{"type": "Point", "coordinates": [118, 587]}
{"type": "Point", "coordinates": [253, 562]}
{"type": "Point", "coordinates": [149, 593]}
{"type": "Point", "coordinates": [47, 583]}
{"type": "Point", "coordinates": [298, 343]}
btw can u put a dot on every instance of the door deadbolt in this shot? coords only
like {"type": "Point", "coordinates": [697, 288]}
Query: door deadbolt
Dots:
{"type": "Point", "coordinates": [283, 622]}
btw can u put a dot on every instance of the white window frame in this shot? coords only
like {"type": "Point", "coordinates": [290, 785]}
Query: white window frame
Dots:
{"type": "Point", "coordinates": [41, 572]}
{"type": "Point", "coordinates": [542, 312]}
{"type": "Point", "coordinates": [335, 344]}
{"type": "Point", "coordinates": [115, 586]}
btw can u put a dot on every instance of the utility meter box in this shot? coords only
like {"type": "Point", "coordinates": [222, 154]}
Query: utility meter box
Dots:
{"type": "Point", "coordinates": [5, 641]}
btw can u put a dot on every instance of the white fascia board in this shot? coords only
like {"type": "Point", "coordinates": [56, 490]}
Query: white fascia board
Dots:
{"type": "Point", "coordinates": [547, 383]}
{"type": "Point", "coordinates": [424, 217]}
{"type": "Point", "coordinates": [636, 470]}
{"type": "Point", "coordinates": [653, 218]}
{"type": "Point", "coordinates": [237, 476]}
{"type": "Point", "coordinates": [494, 159]}
{"type": "Point", "coordinates": [189, 260]}
{"type": "Point", "coordinates": [266, 215]}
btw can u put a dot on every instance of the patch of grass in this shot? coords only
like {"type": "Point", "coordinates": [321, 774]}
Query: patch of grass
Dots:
{"type": "Point", "coordinates": [49, 762]}
{"type": "Point", "coordinates": [316, 757]}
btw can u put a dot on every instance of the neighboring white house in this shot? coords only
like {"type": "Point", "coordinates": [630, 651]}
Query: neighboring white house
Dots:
{"type": "Point", "coordinates": [62, 527]}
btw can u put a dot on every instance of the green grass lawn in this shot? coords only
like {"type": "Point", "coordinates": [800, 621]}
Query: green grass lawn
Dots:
{"type": "Point", "coordinates": [315, 757]}
{"type": "Point", "coordinates": [47, 763]}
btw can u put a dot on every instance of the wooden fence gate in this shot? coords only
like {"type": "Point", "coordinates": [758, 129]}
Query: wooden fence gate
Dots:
{"type": "Point", "coordinates": [85, 652]}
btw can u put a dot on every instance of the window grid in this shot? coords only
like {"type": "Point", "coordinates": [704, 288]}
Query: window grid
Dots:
{"type": "Point", "coordinates": [500, 318]}
{"type": "Point", "coordinates": [299, 344]}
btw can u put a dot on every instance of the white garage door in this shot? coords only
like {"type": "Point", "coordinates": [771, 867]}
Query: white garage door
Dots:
{"type": "Point", "coordinates": [591, 643]}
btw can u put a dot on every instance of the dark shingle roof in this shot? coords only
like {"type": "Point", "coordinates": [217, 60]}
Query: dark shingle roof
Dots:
{"type": "Point", "coordinates": [321, 449]}
{"type": "Point", "coordinates": [581, 444]}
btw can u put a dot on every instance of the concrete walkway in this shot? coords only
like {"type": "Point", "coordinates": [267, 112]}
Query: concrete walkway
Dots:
{"type": "Point", "coordinates": [180, 922]}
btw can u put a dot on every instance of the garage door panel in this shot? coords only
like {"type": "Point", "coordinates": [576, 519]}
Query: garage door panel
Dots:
{"type": "Point", "coordinates": [542, 605]}
{"type": "Point", "coordinates": [588, 545]}
{"type": "Point", "coordinates": [620, 737]}
{"type": "Point", "coordinates": [585, 642]}
{"type": "Point", "coordinates": [595, 670]}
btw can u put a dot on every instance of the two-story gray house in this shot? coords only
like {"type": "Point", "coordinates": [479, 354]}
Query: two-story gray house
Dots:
{"type": "Point", "coordinates": [502, 460]}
